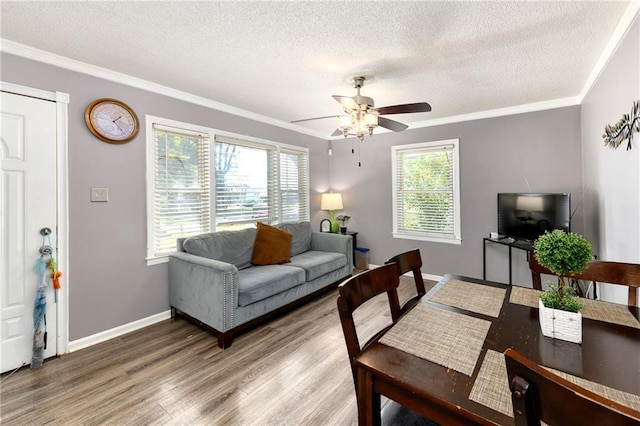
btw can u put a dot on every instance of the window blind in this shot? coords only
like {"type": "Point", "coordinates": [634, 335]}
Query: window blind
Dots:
{"type": "Point", "coordinates": [246, 182]}
{"type": "Point", "coordinates": [242, 181]}
{"type": "Point", "coordinates": [294, 184]}
{"type": "Point", "coordinates": [425, 191]}
{"type": "Point", "coordinates": [181, 195]}
{"type": "Point", "coordinates": [259, 182]}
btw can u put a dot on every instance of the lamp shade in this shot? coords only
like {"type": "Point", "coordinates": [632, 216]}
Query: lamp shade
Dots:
{"type": "Point", "coordinates": [331, 201]}
{"type": "Point", "coordinates": [529, 203]}
{"type": "Point", "coordinates": [370, 120]}
{"type": "Point", "coordinates": [345, 122]}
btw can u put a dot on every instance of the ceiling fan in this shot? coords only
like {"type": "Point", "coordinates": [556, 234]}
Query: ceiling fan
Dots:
{"type": "Point", "coordinates": [361, 117]}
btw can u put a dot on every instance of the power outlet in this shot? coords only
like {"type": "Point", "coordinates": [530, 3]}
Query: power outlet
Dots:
{"type": "Point", "coordinates": [99, 195]}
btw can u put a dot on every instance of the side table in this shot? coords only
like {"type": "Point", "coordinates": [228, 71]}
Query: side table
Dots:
{"type": "Point", "coordinates": [354, 235]}
{"type": "Point", "coordinates": [505, 241]}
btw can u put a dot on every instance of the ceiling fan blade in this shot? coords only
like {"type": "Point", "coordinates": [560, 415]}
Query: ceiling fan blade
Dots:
{"type": "Point", "coordinates": [404, 108]}
{"type": "Point", "coordinates": [396, 126]}
{"type": "Point", "coordinates": [314, 118]}
{"type": "Point", "coordinates": [347, 102]}
{"type": "Point", "coordinates": [337, 132]}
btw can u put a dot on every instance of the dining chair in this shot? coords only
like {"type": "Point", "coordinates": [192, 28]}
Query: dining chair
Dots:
{"type": "Point", "coordinates": [410, 261]}
{"type": "Point", "coordinates": [604, 272]}
{"type": "Point", "coordinates": [355, 292]}
{"type": "Point", "coordinates": [539, 395]}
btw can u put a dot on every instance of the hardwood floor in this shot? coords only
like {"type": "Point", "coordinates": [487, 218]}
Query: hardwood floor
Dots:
{"type": "Point", "coordinates": [291, 371]}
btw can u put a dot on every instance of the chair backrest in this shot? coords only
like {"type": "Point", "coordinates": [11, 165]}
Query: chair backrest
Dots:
{"type": "Point", "coordinates": [537, 394]}
{"type": "Point", "coordinates": [357, 290]}
{"type": "Point", "coordinates": [410, 261]}
{"type": "Point", "coordinates": [604, 272]}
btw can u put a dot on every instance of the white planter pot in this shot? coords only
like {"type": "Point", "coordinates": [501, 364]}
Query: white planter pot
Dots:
{"type": "Point", "coordinates": [561, 325]}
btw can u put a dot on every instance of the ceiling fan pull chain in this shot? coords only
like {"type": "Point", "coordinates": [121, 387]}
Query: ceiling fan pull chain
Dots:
{"type": "Point", "coordinates": [353, 151]}
{"type": "Point", "coordinates": [359, 149]}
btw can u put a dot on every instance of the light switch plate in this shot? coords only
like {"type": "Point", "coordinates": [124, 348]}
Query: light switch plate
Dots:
{"type": "Point", "coordinates": [99, 195]}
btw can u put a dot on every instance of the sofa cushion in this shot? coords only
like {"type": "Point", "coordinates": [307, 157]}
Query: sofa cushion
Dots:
{"type": "Point", "coordinates": [260, 282]}
{"type": "Point", "coordinates": [318, 263]}
{"type": "Point", "coordinates": [300, 236]}
{"type": "Point", "coordinates": [272, 246]}
{"type": "Point", "coordinates": [233, 247]}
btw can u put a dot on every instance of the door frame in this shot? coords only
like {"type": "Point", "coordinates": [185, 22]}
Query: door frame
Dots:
{"type": "Point", "coordinates": [62, 202]}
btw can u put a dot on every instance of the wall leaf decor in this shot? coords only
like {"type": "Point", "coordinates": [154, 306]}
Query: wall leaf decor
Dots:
{"type": "Point", "coordinates": [623, 129]}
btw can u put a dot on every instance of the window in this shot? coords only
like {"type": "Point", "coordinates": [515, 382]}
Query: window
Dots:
{"type": "Point", "coordinates": [294, 185]}
{"type": "Point", "coordinates": [199, 180]}
{"type": "Point", "coordinates": [178, 192]}
{"type": "Point", "coordinates": [259, 181]}
{"type": "Point", "coordinates": [426, 191]}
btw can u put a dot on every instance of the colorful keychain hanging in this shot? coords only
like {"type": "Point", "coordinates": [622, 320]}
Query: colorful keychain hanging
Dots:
{"type": "Point", "coordinates": [46, 267]}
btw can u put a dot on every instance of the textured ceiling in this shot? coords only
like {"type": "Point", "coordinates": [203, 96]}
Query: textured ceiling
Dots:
{"type": "Point", "coordinates": [284, 60]}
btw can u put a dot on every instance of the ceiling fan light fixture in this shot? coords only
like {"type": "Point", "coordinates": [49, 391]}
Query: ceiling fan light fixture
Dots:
{"type": "Point", "coordinates": [370, 121]}
{"type": "Point", "coordinates": [345, 125]}
{"type": "Point", "coordinates": [345, 122]}
{"type": "Point", "coordinates": [360, 117]}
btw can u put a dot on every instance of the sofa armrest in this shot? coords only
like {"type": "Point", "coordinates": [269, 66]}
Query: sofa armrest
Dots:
{"type": "Point", "coordinates": [204, 289]}
{"type": "Point", "coordinates": [323, 241]}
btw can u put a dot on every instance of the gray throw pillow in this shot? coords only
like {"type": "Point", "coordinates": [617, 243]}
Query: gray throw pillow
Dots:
{"type": "Point", "coordinates": [233, 247]}
{"type": "Point", "coordinates": [301, 236]}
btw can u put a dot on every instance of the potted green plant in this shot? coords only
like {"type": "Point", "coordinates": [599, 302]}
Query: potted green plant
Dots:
{"type": "Point", "coordinates": [343, 219]}
{"type": "Point", "coordinates": [563, 254]}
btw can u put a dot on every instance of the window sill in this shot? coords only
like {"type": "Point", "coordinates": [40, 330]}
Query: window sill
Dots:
{"type": "Point", "coordinates": [157, 260]}
{"type": "Point", "coordinates": [455, 241]}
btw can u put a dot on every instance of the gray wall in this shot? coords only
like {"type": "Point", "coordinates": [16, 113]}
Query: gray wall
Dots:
{"type": "Point", "coordinates": [496, 155]}
{"type": "Point", "coordinates": [612, 177]}
{"type": "Point", "coordinates": [109, 282]}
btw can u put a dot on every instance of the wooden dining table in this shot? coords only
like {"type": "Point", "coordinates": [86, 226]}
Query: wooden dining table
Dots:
{"type": "Point", "coordinates": [443, 358]}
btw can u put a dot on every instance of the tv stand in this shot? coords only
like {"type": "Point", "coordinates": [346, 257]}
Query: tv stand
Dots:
{"type": "Point", "coordinates": [510, 242]}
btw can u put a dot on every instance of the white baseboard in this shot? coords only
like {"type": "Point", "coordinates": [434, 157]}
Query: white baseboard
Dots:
{"type": "Point", "coordinates": [94, 339]}
{"type": "Point", "coordinates": [103, 336]}
{"type": "Point", "coordinates": [432, 277]}
{"type": "Point", "coordinates": [424, 276]}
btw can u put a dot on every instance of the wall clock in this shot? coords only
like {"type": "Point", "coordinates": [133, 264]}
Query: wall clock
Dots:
{"type": "Point", "coordinates": [111, 121]}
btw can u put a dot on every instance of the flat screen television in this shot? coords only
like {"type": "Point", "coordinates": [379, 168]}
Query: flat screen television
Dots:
{"type": "Point", "coordinates": [526, 216]}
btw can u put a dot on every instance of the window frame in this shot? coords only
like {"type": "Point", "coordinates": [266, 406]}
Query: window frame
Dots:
{"type": "Point", "coordinates": [151, 258]}
{"type": "Point", "coordinates": [456, 236]}
{"type": "Point", "coordinates": [278, 147]}
{"type": "Point", "coordinates": [304, 192]}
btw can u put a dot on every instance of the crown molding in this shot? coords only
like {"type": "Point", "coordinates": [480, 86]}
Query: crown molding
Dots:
{"type": "Point", "coordinates": [627, 20]}
{"type": "Point", "coordinates": [499, 112]}
{"type": "Point", "coordinates": [49, 58]}
{"type": "Point", "coordinates": [492, 113]}
{"type": "Point", "coordinates": [63, 62]}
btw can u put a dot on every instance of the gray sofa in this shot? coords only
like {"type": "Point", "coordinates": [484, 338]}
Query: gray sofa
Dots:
{"type": "Point", "coordinates": [212, 282]}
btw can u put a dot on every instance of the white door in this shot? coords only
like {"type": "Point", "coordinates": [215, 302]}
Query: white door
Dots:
{"type": "Point", "coordinates": [28, 186]}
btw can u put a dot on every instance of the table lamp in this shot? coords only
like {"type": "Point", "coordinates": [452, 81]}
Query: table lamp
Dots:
{"type": "Point", "coordinates": [332, 202]}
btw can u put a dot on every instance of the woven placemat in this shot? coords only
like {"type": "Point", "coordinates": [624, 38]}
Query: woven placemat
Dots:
{"type": "Point", "coordinates": [593, 309]}
{"type": "Point", "coordinates": [524, 296]}
{"type": "Point", "coordinates": [447, 338]}
{"type": "Point", "coordinates": [491, 387]}
{"type": "Point", "coordinates": [471, 297]}
{"type": "Point", "coordinates": [625, 398]}
{"type": "Point", "coordinates": [609, 312]}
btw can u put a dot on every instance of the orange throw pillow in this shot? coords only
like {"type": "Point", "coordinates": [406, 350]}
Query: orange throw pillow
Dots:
{"type": "Point", "coordinates": [272, 246]}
